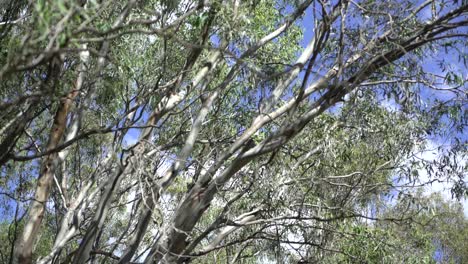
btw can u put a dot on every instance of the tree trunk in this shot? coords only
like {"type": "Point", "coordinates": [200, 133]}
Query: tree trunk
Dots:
{"type": "Point", "coordinates": [24, 247]}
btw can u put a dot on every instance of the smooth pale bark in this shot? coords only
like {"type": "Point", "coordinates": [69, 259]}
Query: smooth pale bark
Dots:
{"type": "Point", "coordinates": [24, 246]}
{"type": "Point", "coordinates": [45, 179]}
{"type": "Point", "coordinates": [145, 215]}
{"type": "Point", "coordinates": [84, 251]}
{"type": "Point", "coordinates": [146, 212]}
{"type": "Point", "coordinates": [171, 245]}
{"type": "Point", "coordinates": [240, 221]}
{"type": "Point", "coordinates": [140, 230]}
{"type": "Point", "coordinates": [71, 222]}
{"type": "Point", "coordinates": [196, 202]}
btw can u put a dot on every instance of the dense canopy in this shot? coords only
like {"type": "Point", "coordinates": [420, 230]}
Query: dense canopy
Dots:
{"type": "Point", "coordinates": [256, 131]}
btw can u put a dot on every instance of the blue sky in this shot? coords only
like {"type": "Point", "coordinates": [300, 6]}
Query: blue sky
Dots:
{"type": "Point", "coordinates": [430, 65]}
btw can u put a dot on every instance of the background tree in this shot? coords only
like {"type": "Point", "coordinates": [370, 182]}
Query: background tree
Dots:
{"type": "Point", "coordinates": [231, 131]}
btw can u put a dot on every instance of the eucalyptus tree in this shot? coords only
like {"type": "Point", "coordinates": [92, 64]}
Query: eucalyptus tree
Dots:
{"type": "Point", "coordinates": [221, 131]}
{"type": "Point", "coordinates": [434, 221]}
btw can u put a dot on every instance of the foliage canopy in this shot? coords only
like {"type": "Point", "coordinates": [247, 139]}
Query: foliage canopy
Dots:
{"type": "Point", "coordinates": [209, 131]}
